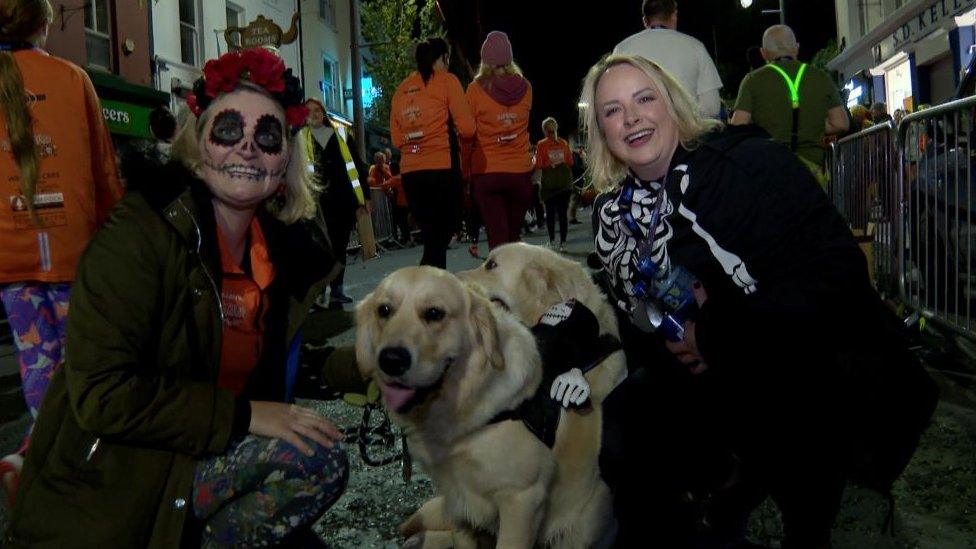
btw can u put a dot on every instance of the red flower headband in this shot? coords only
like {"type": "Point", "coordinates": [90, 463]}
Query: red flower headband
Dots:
{"type": "Point", "coordinates": [258, 66]}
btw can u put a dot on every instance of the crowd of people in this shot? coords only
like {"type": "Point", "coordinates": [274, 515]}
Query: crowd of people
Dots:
{"type": "Point", "coordinates": [168, 414]}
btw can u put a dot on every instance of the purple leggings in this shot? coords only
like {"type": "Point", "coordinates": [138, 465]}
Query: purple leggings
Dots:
{"type": "Point", "coordinates": [37, 312]}
{"type": "Point", "coordinates": [503, 199]}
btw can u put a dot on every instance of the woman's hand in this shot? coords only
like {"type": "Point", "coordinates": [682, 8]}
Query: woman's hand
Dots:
{"type": "Point", "coordinates": [287, 421]}
{"type": "Point", "coordinates": [686, 350]}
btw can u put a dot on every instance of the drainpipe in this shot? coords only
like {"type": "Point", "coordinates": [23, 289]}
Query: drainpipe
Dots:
{"type": "Point", "coordinates": [301, 44]}
{"type": "Point", "coordinates": [359, 124]}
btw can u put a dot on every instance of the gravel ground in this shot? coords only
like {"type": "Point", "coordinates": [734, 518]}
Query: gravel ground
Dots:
{"type": "Point", "coordinates": [935, 498]}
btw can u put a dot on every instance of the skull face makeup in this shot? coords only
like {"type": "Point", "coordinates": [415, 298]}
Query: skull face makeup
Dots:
{"type": "Point", "coordinates": [243, 147]}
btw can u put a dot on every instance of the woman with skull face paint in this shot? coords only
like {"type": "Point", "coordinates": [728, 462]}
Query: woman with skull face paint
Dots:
{"type": "Point", "coordinates": [765, 366]}
{"type": "Point", "coordinates": [170, 419]}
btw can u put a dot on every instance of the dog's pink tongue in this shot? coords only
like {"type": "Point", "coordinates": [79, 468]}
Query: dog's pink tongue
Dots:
{"type": "Point", "coordinates": [396, 396]}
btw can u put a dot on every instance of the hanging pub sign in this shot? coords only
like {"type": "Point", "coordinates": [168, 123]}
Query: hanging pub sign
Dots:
{"type": "Point", "coordinates": [261, 32]}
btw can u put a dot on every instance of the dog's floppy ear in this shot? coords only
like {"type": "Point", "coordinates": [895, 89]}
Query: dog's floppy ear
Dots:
{"type": "Point", "coordinates": [485, 331]}
{"type": "Point", "coordinates": [551, 283]}
{"type": "Point", "coordinates": [365, 326]}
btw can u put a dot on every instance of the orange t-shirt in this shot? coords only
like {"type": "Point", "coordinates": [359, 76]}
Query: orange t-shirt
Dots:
{"type": "Point", "coordinates": [550, 153]}
{"type": "Point", "coordinates": [394, 188]}
{"type": "Point", "coordinates": [377, 177]}
{"type": "Point", "coordinates": [77, 185]}
{"type": "Point", "coordinates": [502, 140]}
{"type": "Point", "coordinates": [244, 299]}
{"type": "Point", "coordinates": [418, 120]}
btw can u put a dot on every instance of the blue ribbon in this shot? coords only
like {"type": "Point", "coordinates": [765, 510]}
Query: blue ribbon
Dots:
{"type": "Point", "coordinates": [14, 46]}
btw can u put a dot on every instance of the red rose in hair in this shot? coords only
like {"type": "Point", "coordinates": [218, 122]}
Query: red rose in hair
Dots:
{"type": "Point", "coordinates": [296, 115]}
{"type": "Point", "coordinates": [265, 69]}
{"type": "Point", "coordinates": [191, 102]}
{"type": "Point", "coordinates": [222, 74]}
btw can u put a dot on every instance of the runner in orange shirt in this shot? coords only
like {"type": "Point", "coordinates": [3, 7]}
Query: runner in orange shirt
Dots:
{"type": "Point", "coordinates": [554, 159]}
{"type": "Point", "coordinates": [501, 166]}
{"type": "Point", "coordinates": [58, 185]}
{"type": "Point", "coordinates": [428, 107]}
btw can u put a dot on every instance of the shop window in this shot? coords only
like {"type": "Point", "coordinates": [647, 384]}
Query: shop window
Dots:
{"type": "Point", "coordinates": [235, 18]}
{"type": "Point", "coordinates": [98, 34]}
{"type": "Point", "coordinates": [189, 35]}
{"type": "Point", "coordinates": [330, 83]}
{"type": "Point", "coordinates": [327, 11]}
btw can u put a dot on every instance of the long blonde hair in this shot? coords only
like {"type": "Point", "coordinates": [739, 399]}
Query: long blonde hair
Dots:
{"type": "Point", "coordinates": [485, 71]}
{"type": "Point", "coordinates": [301, 187]}
{"type": "Point", "coordinates": [19, 20]}
{"type": "Point", "coordinates": [606, 170]}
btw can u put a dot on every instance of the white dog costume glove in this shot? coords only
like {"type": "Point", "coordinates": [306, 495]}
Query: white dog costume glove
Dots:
{"type": "Point", "coordinates": [569, 340]}
{"type": "Point", "coordinates": [570, 388]}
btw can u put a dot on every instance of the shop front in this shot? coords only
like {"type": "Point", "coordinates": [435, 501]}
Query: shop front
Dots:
{"type": "Point", "coordinates": [916, 55]}
{"type": "Point", "coordinates": [126, 106]}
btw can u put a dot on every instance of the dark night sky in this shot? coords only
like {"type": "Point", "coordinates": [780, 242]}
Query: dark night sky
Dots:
{"type": "Point", "coordinates": [555, 43]}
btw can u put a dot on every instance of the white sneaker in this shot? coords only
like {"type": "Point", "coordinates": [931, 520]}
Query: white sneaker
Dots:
{"type": "Point", "coordinates": [322, 301]}
{"type": "Point", "coordinates": [562, 247]}
{"type": "Point", "coordinates": [551, 245]}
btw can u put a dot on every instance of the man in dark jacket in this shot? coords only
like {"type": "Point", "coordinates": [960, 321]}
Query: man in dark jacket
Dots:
{"type": "Point", "coordinates": [340, 201]}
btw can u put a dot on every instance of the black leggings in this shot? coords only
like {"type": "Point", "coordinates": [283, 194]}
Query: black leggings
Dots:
{"type": "Point", "coordinates": [557, 204]}
{"type": "Point", "coordinates": [435, 201]}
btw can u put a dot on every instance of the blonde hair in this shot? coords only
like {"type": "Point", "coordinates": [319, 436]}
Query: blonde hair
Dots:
{"type": "Point", "coordinates": [550, 121]}
{"type": "Point", "coordinates": [301, 185]}
{"type": "Point", "coordinates": [484, 71]}
{"type": "Point", "coordinates": [606, 170]}
{"type": "Point", "coordinates": [19, 20]}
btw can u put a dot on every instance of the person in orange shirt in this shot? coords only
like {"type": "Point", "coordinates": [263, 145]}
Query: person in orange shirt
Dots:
{"type": "Point", "coordinates": [381, 177]}
{"type": "Point", "coordinates": [427, 117]}
{"type": "Point", "coordinates": [58, 185]}
{"type": "Point", "coordinates": [501, 166]}
{"type": "Point", "coordinates": [553, 158]}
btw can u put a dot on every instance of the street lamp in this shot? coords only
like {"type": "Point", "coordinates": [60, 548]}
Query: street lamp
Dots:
{"type": "Point", "coordinates": [781, 11]}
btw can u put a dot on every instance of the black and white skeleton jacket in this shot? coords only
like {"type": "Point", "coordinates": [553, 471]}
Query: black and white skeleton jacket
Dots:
{"type": "Point", "coordinates": [742, 215]}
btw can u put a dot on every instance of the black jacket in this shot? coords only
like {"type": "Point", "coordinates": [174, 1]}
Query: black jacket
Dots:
{"type": "Point", "coordinates": [338, 199]}
{"type": "Point", "coordinates": [791, 327]}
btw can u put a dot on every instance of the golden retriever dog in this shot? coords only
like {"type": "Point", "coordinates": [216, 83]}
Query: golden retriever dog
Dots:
{"type": "Point", "coordinates": [529, 279]}
{"type": "Point", "coordinates": [447, 362]}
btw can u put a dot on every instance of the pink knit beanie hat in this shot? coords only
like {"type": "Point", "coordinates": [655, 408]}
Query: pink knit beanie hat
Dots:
{"type": "Point", "coordinates": [497, 50]}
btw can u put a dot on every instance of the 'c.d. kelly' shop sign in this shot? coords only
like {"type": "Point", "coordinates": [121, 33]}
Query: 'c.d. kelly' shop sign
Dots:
{"type": "Point", "coordinates": [929, 19]}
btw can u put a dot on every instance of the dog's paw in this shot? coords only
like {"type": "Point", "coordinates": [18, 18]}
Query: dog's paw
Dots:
{"type": "Point", "coordinates": [415, 541]}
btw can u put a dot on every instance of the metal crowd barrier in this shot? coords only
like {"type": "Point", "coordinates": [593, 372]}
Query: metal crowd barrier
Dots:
{"type": "Point", "coordinates": [908, 194]}
{"type": "Point", "coordinates": [382, 216]}
{"type": "Point", "coordinates": [938, 202]}
{"type": "Point", "coordinates": [864, 188]}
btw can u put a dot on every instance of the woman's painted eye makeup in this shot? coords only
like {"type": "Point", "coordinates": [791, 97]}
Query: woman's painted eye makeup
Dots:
{"type": "Point", "coordinates": [227, 129]}
{"type": "Point", "coordinates": [268, 134]}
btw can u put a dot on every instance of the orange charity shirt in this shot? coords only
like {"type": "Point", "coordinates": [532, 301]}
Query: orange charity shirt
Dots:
{"type": "Point", "coordinates": [244, 299]}
{"type": "Point", "coordinates": [379, 176]}
{"type": "Point", "coordinates": [551, 153]}
{"type": "Point", "coordinates": [394, 187]}
{"type": "Point", "coordinates": [77, 185]}
{"type": "Point", "coordinates": [418, 120]}
{"type": "Point", "coordinates": [501, 142]}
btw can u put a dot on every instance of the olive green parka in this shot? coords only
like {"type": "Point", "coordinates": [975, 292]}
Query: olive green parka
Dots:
{"type": "Point", "coordinates": [136, 405]}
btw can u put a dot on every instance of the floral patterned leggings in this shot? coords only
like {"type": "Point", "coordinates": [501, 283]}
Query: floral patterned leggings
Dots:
{"type": "Point", "coordinates": [37, 312]}
{"type": "Point", "coordinates": [263, 489]}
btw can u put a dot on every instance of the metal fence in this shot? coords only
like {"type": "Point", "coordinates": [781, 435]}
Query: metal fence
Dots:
{"type": "Point", "coordinates": [864, 188]}
{"type": "Point", "coordinates": [909, 193]}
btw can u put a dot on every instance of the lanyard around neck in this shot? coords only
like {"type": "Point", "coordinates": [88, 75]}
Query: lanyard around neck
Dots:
{"type": "Point", "coordinates": [793, 85]}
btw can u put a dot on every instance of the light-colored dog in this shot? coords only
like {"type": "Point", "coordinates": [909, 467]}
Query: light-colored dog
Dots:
{"type": "Point", "coordinates": [448, 361]}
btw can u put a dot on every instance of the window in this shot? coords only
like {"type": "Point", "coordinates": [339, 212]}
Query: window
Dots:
{"type": "Point", "coordinates": [189, 40]}
{"type": "Point", "coordinates": [327, 12]}
{"type": "Point", "coordinates": [330, 83]}
{"type": "Point", "coordinates": [98, 34]}
{"type": "Point", "coordinates": [235, 18]}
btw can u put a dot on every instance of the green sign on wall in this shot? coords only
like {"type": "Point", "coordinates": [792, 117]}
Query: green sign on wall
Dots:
{"type": "Point", "coordinates": [126, 118]}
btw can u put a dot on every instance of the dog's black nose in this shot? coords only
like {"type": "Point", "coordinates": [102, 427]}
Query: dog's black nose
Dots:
{"type": "Point", "coordinates": [394, 360]}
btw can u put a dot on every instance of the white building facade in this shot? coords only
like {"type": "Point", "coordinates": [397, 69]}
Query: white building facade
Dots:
{"type": "Point", "coordinates": [904, 52]}
{"type": "Point", "coordinates": [186, 33]}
